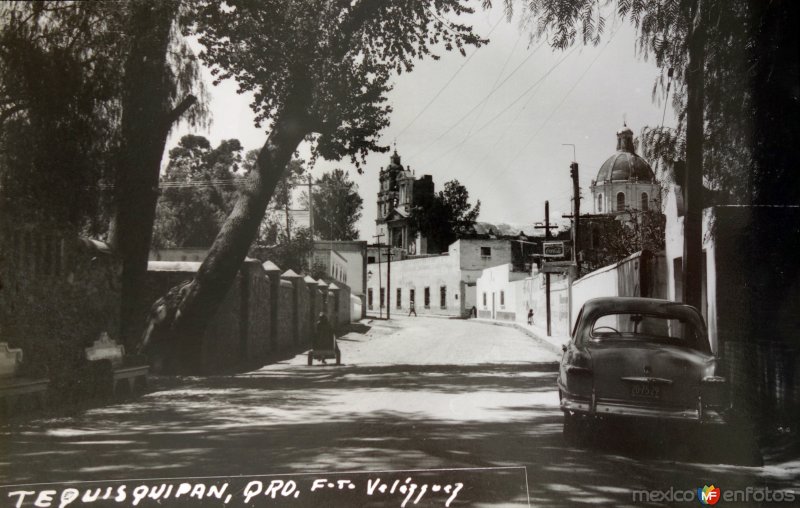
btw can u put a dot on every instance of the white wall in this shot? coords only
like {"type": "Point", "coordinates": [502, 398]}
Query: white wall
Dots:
{"type": "Point", "coordinates": [419, 273]}
{"type": "Point", "coordinates": [602, 282]}
{"type": "Point", "coordinates": [496, 283]}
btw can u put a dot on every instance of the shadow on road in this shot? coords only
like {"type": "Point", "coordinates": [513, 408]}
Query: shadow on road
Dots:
{"type": "Point", "coordinates": [353, 418]}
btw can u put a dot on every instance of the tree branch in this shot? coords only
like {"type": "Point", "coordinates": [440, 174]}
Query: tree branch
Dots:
{"type": "Point", "coordinates": [181, 108]}
{"type": "Point", "coordinates": [5, 115]}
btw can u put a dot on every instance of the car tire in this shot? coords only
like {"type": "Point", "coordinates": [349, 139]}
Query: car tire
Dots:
{"type": "Point", "coordinates": [571, 428]}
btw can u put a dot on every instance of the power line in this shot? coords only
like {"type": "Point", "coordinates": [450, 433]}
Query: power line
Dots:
{"type": "Point", "coordinates": [493, 88]}
{"type": "Point", "coordinates": [442, 89]}
{"type": "Point", "coordinates": [586, 71]}
{"type": "Point", "coordinates": [477, 105]}
{"type": "Point", "coordinates": [498, 115]}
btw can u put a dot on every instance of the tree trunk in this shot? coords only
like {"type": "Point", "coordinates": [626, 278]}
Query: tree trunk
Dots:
{"type": "Point", "coordinates": [147, 116]}
{"type": "Point", "coordinates": [693, 186]}
{"type": "Point", "coordinates": [184, 323]}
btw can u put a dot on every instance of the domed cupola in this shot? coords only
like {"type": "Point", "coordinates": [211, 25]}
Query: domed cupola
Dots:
{"type": "Point", "coordinates": [625, 180]}
{"type": "Point", "coordinates": [625, 165]}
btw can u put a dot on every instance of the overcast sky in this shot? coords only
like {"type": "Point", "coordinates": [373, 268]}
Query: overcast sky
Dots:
{"type": "Point", "coordinates": [499, 125]}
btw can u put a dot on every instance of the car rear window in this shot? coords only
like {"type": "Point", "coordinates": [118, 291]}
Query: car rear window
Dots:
{"type": "Point", "coordinates": [649, 328]}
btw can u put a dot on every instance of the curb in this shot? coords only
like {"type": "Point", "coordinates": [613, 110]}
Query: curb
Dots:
{"type": "Point", "coordinates": [556, 349]}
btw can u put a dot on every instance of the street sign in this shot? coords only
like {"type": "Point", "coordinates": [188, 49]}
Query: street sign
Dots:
{"type": "Point", "coordinates": [553, 249]}
{"type": "Point", "coordinates": [557, 266]}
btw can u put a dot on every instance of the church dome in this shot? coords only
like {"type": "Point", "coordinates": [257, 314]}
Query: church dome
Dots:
{"type": "Point", "coordinates": [625, 165]}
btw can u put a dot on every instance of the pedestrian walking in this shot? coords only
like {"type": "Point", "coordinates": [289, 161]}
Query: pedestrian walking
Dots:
{"type": "Point", "coordinates": [530, 316]}
{"type": "Point", "coordinates": [412, 309]}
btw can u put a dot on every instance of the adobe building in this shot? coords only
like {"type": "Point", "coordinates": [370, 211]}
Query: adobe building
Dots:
{"type": "Point", "coordinates": [399, 192]}
{"type": "Point", "coordinates": [443, 284]}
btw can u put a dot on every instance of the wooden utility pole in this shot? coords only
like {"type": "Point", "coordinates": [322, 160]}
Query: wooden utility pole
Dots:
{"type": "Point", "coordinates": [693, 179]}
{"type": "Point", "coordinates": [547, 236]}
{"type": "Point", "coordinates": [288, 226]}
{"type": "Point", "coordinates": [388, 281]}
{"type": "Point", "coordinates": [380, 282]}
{"type": "Point", "coordinates": [576, 206]}
{"type": "Point", "coordinates": [310, 208]}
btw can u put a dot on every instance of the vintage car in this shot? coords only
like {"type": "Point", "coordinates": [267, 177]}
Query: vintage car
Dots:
{"type": "Point", "coordinates": [639, 358]}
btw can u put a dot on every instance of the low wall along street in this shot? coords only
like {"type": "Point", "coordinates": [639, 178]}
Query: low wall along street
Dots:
{"type": "Point", "coordinates": [242, 335]}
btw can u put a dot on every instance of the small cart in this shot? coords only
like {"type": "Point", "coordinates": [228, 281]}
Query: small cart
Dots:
{"type": "Point", "coordinates": [324, 352]}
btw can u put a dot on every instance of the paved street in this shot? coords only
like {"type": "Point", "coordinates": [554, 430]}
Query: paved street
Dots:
{"type": "Point", "coordinates": [413, 393]}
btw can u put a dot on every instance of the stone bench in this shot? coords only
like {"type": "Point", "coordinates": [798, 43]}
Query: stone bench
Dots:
{"type": "Point", "coordinates": [17, 391]}
{"type": "Point", "coordinates": [126, 378]}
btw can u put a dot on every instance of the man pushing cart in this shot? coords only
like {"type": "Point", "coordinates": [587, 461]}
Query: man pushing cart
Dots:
{"type": "Point", "coordinates": [324, 345]}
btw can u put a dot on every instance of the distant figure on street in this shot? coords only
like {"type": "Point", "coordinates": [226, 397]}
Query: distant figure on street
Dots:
{"type": "Point", "coordinates": [473, 312]}
{"type": "Point", "coordinates": [412, 309]}
{"type": "Point", "coordinates": [323, 339]}
{"type": "Point", "coordinates": [530, 316]}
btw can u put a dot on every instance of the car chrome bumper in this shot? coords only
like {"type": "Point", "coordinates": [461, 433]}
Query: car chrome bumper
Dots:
{"type": "Point", "coordinates": [606, 408]}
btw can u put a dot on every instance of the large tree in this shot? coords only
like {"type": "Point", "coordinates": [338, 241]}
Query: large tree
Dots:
{"type": "Point", "coordinates": [88, 94]}
{"type": "Point", "coordinates": [159, 74]}
{"type": "Point", "coordinates": [337, 207]}
{"type": "Point", "coordinates": [317, 70]}
{"type": "Point", "coordinates": [198, 190]}
{"type": "Point", "coordinates": [57, 110]}
{"type": "Point", "coordinates": [446, 216]}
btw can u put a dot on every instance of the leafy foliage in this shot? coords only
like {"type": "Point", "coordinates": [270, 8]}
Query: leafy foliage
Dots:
{"type": "Point", "coordinates": [199, 192]}
{"type": "Point", "coordinates": [610, 240]}
{"type": "Point", "coordinates": [277, 225]}
{"type": "Point", "coordinates": [337, 207]}
{"type": "Point", "coordinates": [61, 106]}
{"type": "Point", "coordinates": [750, 67]}
{"type": "Point", "coordinates": [289, 252]}
{"type": "Point", "coordinates": [336, 57]}
{"type": "Point", "coordinates": [58, 84]}
{"type": "Point", "coordinates": [446, 217]}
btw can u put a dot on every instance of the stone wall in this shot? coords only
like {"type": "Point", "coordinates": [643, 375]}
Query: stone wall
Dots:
{"type": "Point", "coordinates": [242, 335]}
{"type": "Point", "coordinates": [286, 316]}
{"type": "Point", "coordinates": [58, 292]}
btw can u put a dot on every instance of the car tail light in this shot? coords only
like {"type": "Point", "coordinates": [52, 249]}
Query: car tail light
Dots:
{"type": "Point", "coordinates": [580, 375]}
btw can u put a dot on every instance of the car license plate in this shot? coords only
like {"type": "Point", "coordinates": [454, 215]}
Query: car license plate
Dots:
{"type": "Point", "coordinates": [650, 391]}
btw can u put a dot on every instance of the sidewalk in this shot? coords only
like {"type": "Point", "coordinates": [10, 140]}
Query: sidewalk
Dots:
{"type": "Point", "coordinates": [554, 342]}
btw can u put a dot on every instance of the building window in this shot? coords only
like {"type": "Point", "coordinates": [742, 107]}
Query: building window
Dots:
{"type": "Point", "coordinates": [383, 296]}
{"type": "Point", "coordinates": [484, 299]}
{"type": "Point", "coordinates": [399, 298]}
{"type": "Point", "coordinates": [645, 201]}
{"type": "Point", "coordinates": [502, 298]}
{"type": "Point", "coordinates": [370, 259]}
{"type": "Point", "coordinates": [443, 297]}
{"type": "Point", "coordinates": [486, 253]}
{"type": "Point", "coordinates": [369, 298]}
{"type": "Point", "coordinates": [410, 296]}
{"type": "Point", "coordinates": [600, 203]}
{"type": "Point", "coordinates": [621, 202]}
{"type": "Point", "coordinates": [427, 298]}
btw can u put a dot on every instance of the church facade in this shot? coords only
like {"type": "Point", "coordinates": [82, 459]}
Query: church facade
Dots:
{"type": "Point", "coordinates": [400, 190]}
